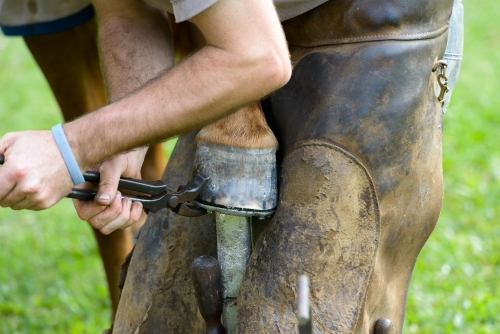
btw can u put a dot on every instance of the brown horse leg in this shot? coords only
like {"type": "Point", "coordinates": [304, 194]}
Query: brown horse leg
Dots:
{"type": "Point", "coordinates": [113, 249]}
{"type": "Point", "coordinates": [70, 63]}
{"type": "Point", "coordinates": [152, 169]}
{"type": "Point", "coordinates": [245, 128]}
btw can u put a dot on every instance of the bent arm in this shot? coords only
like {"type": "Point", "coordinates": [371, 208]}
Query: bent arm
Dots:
{"type": "Point", "coordinates": [245, 58]}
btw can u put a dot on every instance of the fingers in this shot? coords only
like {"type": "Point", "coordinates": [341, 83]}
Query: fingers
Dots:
{"type": "Point", "coordinates": [130, 215]}
{"type": "Point", "coordinates": [121, 213]}
{"type": "Point", "coordinates": [23, 195]}
{"type": "Point", "coordinates": [8, 185]}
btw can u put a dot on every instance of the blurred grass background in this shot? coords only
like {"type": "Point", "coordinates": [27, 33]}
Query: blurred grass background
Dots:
{"type": "Point", "coordinates": [51, 277]}
{"type": "Point", "coordinates": [52, 281]}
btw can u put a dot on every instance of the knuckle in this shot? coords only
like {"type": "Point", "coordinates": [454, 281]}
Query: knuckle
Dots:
{"type": "Point", "coordinates": [41, 201]}
{"type": "Point", "coordinates": [105, 231]}
{"type": "Point", "coordinates": [32, 189]}
{"type": "Point", "coordinates": [44, 204]}
{"type": "Point", "coordinates": [124, 217]}
{"type": "Point", "coordinates": [81, 214]}
{"type": "Point", "coordinates": [97, 223]}
{"type": "Point", "coordinates": [19, 173]}
{"type": "Point", "coordinates": [137, 212]}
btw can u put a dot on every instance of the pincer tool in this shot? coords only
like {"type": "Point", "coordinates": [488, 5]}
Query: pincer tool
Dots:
{"type": "Point", "coordinates": [154, 195]}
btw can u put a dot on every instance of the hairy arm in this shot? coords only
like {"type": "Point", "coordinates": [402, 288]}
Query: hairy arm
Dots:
{"type": "Point", "coordinates": [245, 58]}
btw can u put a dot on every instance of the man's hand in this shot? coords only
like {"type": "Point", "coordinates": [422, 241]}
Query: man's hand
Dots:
{"type": "Point", "coordinates": [110, 211]}
{"type": "Point", "coordinates": [34, 175]}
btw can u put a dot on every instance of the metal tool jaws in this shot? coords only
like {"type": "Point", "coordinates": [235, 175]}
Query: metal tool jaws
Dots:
{"type": "Point", "coordinates": [161, 197]}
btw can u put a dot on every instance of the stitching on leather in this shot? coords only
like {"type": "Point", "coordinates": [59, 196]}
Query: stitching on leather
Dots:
{"type": "Point", "coordinates": [370, 38]}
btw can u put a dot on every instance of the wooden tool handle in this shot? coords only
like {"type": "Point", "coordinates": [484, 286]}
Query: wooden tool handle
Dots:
{"type": "Point", "coordinates": [205, 271]}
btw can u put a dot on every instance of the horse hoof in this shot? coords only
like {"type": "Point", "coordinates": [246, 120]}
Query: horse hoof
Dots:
{"type": "Point", "coordinates": [243, 181]}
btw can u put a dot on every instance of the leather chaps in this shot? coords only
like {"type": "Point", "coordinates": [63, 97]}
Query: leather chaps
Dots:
{"type": "Point", "coordinates": [360, 129]}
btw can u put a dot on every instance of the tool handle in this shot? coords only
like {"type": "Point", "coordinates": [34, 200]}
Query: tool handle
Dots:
{"type": "Point", "coordinates": [205, 271]}
{"type": "Point", "coordinates": [82, 194]}
{"type": "Point", "coordinates": [150, 204]}
{"type": "Point", "coordinates": [146, 187]}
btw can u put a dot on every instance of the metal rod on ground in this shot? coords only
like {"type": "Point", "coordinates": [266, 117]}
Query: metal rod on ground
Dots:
{"type": "Point", "coordinates": [233, 251]}
{"type": "Point", "coordinates": [303, 305]}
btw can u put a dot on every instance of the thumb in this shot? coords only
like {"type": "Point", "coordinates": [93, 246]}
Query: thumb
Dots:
{"type": "Point", "coordinates": [108, 185]}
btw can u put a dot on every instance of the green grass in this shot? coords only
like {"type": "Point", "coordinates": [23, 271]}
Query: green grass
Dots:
{"type": "Point", "coordinates": [52, 281]}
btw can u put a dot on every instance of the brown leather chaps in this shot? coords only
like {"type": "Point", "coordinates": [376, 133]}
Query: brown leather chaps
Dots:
{"type": "Point", "coordinates": [359, 126]}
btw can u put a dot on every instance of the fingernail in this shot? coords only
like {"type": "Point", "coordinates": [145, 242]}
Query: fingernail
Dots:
{"type": "Point", "coordinates": [104, 197]}
{"type": "Point", "coordinates": [128, 203]}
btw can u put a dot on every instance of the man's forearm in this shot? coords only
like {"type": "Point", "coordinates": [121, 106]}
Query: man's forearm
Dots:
{"type": "Point", "coordinates": [211, 83]}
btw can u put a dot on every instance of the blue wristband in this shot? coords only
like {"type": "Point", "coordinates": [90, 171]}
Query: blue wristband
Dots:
{"type": "Point", "coordinates": [67, 154]}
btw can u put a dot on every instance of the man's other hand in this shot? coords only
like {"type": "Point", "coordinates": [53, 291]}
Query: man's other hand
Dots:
{"type": "Point", "coordinates": [34, 175]}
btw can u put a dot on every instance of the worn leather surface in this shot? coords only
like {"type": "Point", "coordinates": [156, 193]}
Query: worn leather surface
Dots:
{"type": "Point", "coordinates": [158, 296]}
{"type": "Point", "coordinates": [327, 226]}
{"type": "Point", "coordinates": [373, 102]}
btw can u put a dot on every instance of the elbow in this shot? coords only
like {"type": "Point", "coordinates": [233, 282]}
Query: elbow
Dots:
{"type": "Point", "coordinates": [277, 69]}
{"type": "Point", "coordinates": [267, 69]}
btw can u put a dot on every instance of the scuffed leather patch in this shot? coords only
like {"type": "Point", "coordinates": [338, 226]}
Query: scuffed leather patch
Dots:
{"type": "Point", "coordinates": [327, 226]}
